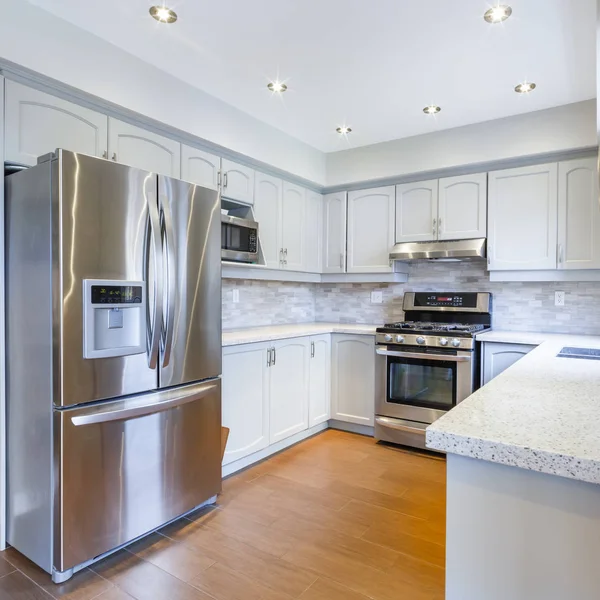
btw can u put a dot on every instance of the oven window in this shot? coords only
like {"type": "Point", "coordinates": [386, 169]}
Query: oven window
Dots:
{"type": "Point", "coordinates": [430, 384]}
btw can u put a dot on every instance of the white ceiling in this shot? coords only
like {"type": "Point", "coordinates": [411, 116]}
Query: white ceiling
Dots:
{"type": "Point", "coordinates": [370, 64]}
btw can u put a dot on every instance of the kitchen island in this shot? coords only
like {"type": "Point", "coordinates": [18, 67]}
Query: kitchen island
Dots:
{"type": "Point", "coordinates": [523, 500]}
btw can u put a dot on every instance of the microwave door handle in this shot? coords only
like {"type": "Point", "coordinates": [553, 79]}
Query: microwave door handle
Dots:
{"type": "Point", "coordinates": [153, 245]}
{"type": "Point", "coordinates": [440, 357]}
{"type": "Point", "coordinates": [167, 230]}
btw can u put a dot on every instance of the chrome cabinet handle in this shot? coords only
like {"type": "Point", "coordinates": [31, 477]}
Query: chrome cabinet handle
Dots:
{"type": "Point", "coordinates": [489, 255]}
{"type": "Point", "coordinates": [225, 179]}
{"type": "Point", "coordinates": [274, 356]}
{"type": "Point", "coordinates": [218, 178]}
{"type": "Point", "coordinates": [105, 154]}
{"type": "Point", "coordinates": [281, 256]}
{"type": "Point", "coordinates": [285, 256]}
{"type": "Point", "coordinates": [114, 156]}
{"type": "Point", "coordinates": [168, 233]}
{"type": "Point", "coordinates": [268, 357]}
{"type": "Point", "coordinates": [424, 356]}
{"type": "Point", "coordinates": [312, 349]}
{"type": "Point", "coordinates": [439, 226]}
{"type": "Point", "coordinates": [559, 257]}
{"type": "Point", "coordinates": [434, 226]}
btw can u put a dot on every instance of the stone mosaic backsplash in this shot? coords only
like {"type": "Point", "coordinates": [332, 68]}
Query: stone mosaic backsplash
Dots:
{"type": "Point", "coordinates": [517, 306]}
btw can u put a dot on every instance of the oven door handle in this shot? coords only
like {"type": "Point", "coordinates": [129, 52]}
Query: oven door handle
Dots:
{"type": "Point", "coordinates": [442, 357]}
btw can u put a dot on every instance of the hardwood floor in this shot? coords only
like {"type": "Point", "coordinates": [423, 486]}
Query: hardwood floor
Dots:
{"type": "Point", "coordinates": [337, 517]}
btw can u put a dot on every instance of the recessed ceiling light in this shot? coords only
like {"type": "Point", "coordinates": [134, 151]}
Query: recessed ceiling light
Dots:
{"type": "Point", "coordinates": [277, 87]}
{"type": "Point", "coordinates": [432, 109]}
{"type": "Point", "coordinates": [344, 130]}
{"type": "Point", "coordinates": [497, 14]}
{"type": "Point", "coordinates": [163, 14]}
{"type": "Point", "coordinates": [525, 87]}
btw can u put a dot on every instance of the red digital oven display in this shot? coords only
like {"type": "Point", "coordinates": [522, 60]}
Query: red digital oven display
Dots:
{"type": "Point", "coordinates": [444, 299]}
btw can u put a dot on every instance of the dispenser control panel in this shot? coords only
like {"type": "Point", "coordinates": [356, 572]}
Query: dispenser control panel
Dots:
{"type": "Point", "coordinates": [114, 318]}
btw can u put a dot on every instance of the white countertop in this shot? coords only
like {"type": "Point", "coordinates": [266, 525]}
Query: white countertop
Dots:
{"type": "Point", "coordinates": [542, 414]}
{"type": "Point", "coordinates": [248, 335]}
{"type": "Point", "coordinates": [532, 338]}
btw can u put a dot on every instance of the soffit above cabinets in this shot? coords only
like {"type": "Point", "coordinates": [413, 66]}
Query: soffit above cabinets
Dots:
{"type": "Point", "coordinates": [372, 66]}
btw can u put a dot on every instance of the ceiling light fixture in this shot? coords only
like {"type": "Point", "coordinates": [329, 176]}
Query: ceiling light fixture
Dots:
{"type": "Point", "coordinates": [344, 130]}
{"type": "Point", "coordinates": [525, 87]}
{"type": "Point", "coordinates": [163, 14]}
{"type": "Point", "coordinates": [432, 109]}
{"type": "Point", "coordinates": [497, 14]}
{"type": "Point", "coordinates": [277, 87]}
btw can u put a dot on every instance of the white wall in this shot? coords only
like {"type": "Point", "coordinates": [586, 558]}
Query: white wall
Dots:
{"type": "Point", "coordinates": [556, 129]}
{"type": "Point", "coordinates": [35, 39]}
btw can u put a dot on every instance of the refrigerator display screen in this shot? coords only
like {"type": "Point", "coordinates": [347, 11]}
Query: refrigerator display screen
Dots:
{"type": "Point", "coordinates": [116, 294]}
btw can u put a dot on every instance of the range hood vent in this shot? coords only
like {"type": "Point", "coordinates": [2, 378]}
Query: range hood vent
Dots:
{"type": "Point", "coordinates": [458, 250]}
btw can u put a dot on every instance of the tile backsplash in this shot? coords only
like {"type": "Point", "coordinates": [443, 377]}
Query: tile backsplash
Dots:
{"type": "Point", "coordinates": [517, 306]}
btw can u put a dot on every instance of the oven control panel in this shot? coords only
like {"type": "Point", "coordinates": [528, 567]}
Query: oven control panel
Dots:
{"type": "Point", "coordinates": [468, 302]}
{"type": "Point", "coordinates": [426, 341]}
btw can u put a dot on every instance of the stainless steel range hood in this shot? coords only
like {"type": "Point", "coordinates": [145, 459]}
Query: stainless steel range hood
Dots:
{"type": "Point", "coordinates": [458, 250]}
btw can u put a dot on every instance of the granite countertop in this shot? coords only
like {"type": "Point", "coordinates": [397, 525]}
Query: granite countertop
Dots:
{"type": "Point", "coordinates": [233, 337]}
{"type": "Point", "coordinates": [541, 414]}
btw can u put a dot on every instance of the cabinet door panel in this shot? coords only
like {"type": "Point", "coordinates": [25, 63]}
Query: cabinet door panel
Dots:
{"type": "Point", "coordinates": [267, 211]}
{"type": "Point", "coordinates": [136, 147]}
{"type": "Point", "coordinates": [416, 210]}
{"type": "Point", "coordinates": [313, 233]}
{"type": "Point", "coordinates": [353, 378]}
{"type": "Point", "coordinates": [293, 211]}
{"type": "Point", "coordinates": [370, 230]}
{"type": "Point", "coordinates": [462, 212]}
{"type": "Point", "coordinates": [238, 182]}
{"type": "Point", "coordinates": [288, 390]}
{"type": "Point", "coordinates": [320, 380]}
{"type": "Point", "coordinates": [578, 215]}
{"type": "Point", "coordinates": [334, 233]}
{"type": "Point", "coordinates": [497, 357]}
{"type": "Point", "coordinates": [37, 123]}
{"type": "Point", "coordinates": [522, 218]}
{"type": "Point", "coordinates": [200, 167]}
{"type": "Point", "coordinates": [245, 400]}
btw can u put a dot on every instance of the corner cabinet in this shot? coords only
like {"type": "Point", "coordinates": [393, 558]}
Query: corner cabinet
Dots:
{"type": "Point", "coordinates": [353, 378]}
{"type": "Point", "coordinates": [371, 218]}
{"type": "Point", "coordinates": [522, 218]}
{"type": "Point", "coordinates": [200, 167]}
{"type": "Point", "coordinates": [136, 147]}
{"type": "Point", "coordinates": [497, 357]}
{"type": "Point", "coordinates": [334, 233]}
{"type": "Point", "coordinates": [238, 182]}
{"type": "Point", "coordinates": [319, 395]}
{"type": "Point", "coordinates": [37, 123]}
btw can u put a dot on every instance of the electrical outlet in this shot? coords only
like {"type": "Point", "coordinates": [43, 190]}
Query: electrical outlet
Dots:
{"type": "Point", "coordinates": [377, 297]}
{"type": "Point", "coordinates": [235, 296]}
{"type": "Point", "coordinates": [559, 298]}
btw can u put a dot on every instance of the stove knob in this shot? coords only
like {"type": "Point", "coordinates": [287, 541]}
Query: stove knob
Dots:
{"type": "Point", "coordinates": [399, 339]}
{"type": "Point", "coordinates": [444, 342]}
{"type": "Point", "coordinates": [388, 337]}
{"type": "Point", "coordinates": [456, 342]}
{"type": "Point", "coordinates": [420, 340]}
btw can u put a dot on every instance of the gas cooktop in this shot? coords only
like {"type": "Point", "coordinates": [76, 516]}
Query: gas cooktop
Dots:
{"type": "Point", "coordinates": [432, 327]}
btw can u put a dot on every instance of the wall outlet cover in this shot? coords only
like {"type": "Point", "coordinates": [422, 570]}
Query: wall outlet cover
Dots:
{"type": "Point", "coordinates": [377, 297]}
{"type": "Point", "coordinates": [559, 298]}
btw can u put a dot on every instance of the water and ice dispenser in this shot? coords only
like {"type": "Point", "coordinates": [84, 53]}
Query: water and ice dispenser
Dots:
{"type": "Point", "coordinates": [114, 318]}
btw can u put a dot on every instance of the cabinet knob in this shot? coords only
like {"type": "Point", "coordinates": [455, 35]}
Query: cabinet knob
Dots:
{"type": "Point", "coordinates": [114, 156]}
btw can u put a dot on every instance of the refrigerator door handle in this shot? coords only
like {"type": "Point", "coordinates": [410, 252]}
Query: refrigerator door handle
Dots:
{"type": "Point", "coordinates": [168, 231]}
{"type": "Point", "coordinates": [153, 243]}
{"type": "Point", "coordinates": [145, 409]}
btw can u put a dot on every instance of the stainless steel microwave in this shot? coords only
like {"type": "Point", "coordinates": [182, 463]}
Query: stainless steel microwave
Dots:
{"type": "Point", "coordinates": [239, 239]}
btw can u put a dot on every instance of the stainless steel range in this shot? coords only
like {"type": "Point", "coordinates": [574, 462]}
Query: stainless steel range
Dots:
{"type": "Point", "coordinates": [430, 362]}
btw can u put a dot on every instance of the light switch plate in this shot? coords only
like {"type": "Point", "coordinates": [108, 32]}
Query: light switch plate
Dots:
{"type": "Point", "coordinates": [235, 296]}
{"type": "Point", "coordinates": [559, 298]}
{"type": "Point", "coordinates": [377, 297]}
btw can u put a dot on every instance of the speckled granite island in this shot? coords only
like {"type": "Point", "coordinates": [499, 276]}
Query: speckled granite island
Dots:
{"type": "Point", "coordinates": [523, 475]}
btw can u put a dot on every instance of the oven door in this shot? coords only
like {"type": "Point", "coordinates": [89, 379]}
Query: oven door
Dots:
{"type": "Point", "coordinates": [422, 385]}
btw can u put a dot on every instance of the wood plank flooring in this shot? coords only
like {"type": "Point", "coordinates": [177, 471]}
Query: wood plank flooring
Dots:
{"type": "Point", "coordinates": [337, 517]}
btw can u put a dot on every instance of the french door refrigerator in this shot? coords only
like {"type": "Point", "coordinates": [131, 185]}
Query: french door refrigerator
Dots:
{"type": "Point", "coordinates": [113, 355]}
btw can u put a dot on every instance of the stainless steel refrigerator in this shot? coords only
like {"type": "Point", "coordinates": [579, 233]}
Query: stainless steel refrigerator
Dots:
{"type": "Point", "coordinates": [113, 355]}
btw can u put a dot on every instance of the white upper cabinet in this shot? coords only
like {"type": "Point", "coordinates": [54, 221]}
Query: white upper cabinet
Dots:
{"type": "Point", "coordinates": [320, 380]}
{"type": "Point", "coordinates": [313, 232]}
{"type": "Point", "coordinates": [136, 147]}
{"type": "Point", "coordinates": [522, 218]}
{"type": "Point", "coordinates": [267, 212]}
{"type": "Point", "coordinates": [238, 182]}
{"type": "Point", "coordinates": [578, 215]}
{"type": "Point", "coordinates": [289, 384]}
{"type": "Point", "coordinates": [334, 233]}
{"type": "Point", "coordinates": [37, 123]}
{"type": "Point", "coordinates": [462, 212]}
{"type": "Point", "coordinates": [245, 399]}
{"type": "Point", "coordinates": [371, 230]}
{"type": "Point", "coordinates": [416, 211]}
{"type": "Point", "coordinates": [200, 167]}
{"type": "Point", "coordinates": [293, 210]}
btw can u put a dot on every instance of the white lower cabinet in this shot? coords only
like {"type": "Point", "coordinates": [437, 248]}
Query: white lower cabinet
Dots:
{"type": "Point", "coordinates": [245, 400]}
{"type": "Point", "coordinates": [319, 394]}
{"type": "Point", "coordinates": [288, 388]}
{"type": "Point", "coordinates": [497, 357]}
{"type": "Point", "coordinates": [353, 378]}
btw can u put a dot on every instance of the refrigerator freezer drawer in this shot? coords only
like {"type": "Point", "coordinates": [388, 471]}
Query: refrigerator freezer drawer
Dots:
{"type": "Point", "coordinates": [128, 466]}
